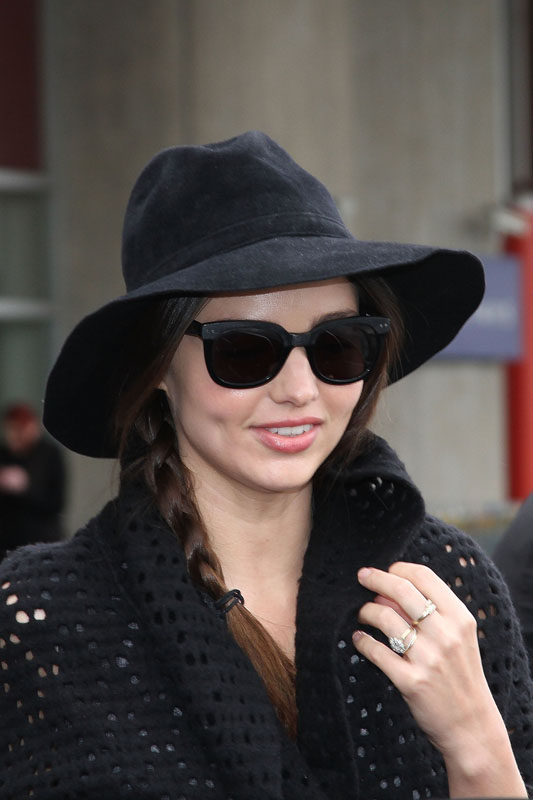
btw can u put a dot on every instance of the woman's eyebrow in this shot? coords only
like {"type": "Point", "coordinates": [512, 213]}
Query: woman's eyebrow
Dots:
{"type": "Point", "coordinates": [349, 312]}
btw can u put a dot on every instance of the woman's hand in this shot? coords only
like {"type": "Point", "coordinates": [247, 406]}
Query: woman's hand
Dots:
{"type": "Point", "coordinates": [440, 676]}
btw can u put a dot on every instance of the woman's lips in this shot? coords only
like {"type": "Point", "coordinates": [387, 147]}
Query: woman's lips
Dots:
{"type": "Point", "coordinates": [288, 437]}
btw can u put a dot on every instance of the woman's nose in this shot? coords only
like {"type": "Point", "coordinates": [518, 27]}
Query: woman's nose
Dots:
{"type": "Point", "coordinates": [296, 382]}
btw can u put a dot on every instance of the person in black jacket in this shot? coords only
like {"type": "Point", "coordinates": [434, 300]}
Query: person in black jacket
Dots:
{"type": "Point", "coordinates": [266, 611]}
{"type": "Point", "coordinates": [513, 555]}
{"type": "Point", "coordinates": [32, 481]}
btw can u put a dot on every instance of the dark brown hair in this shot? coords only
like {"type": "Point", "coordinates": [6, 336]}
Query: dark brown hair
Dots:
{"type": "Point", "coordinates": [148, 447]}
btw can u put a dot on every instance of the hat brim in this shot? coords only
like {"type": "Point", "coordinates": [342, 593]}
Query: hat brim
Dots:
{"type": "Point", "coordinates": [438, 290]}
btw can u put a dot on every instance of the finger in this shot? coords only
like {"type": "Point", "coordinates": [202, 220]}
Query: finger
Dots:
{"type": "Point", "coordinates": [383, 617]}
{"type": "Point", "coordinates": [399, 590]}
{"type": "Point", "coordinates": [393, 665]}
{"type": "Point", "coordinates": [386, 601]}
{"type": "Point", "coordinates": [393, 625]}
{"type": "Point", "coordinates": [430, 585]}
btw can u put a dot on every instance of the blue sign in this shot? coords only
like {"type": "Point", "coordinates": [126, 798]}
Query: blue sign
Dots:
{"type": "Point", "coordinates": [495, 330]}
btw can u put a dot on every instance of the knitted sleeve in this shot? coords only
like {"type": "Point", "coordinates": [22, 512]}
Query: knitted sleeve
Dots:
{"type": "Point", "coordinates": [466, 568]}
{"type": "Point", "coordinates": [37, 736]}
{"type": "Point", "coordinates": [30, 681]}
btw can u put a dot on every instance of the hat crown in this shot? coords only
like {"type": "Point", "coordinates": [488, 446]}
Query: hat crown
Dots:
{"type": "Point", "coordinates": [193, 202]}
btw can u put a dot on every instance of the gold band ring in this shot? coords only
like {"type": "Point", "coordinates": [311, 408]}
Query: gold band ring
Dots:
{"type": "Point", "coordinates": [429, 608]}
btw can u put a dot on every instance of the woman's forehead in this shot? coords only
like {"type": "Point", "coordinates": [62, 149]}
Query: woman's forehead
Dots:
{"type": "Point", "coordinates": [337, 294]}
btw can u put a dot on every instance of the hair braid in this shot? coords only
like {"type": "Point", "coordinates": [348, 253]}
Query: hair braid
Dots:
{"type": "Point", "coordinates": [171, 486]}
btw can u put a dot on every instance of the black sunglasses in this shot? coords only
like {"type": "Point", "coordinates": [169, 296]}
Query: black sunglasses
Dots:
{"type": "Point", "coordinates": [241, 354]}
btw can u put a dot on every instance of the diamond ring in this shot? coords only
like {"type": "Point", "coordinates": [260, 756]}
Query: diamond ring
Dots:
{"type": "Point", "coordinates": [404, 643]}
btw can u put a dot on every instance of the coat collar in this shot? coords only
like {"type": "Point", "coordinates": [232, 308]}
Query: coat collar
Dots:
{"type": "Point", "coordinates": [368, 518]}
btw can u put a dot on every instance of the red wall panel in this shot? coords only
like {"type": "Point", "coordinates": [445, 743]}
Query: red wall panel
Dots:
{"type": "Point", "coordinates": [19, 85]}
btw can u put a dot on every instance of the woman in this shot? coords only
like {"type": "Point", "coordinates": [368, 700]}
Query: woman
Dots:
{"type": "Point", "coordinates": [254, 616]}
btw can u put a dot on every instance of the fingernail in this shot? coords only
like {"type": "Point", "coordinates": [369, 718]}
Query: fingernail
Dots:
{"type": "Point", "coordinates": [364, 572]}
{"type": "Point", "coordinates": [356, 636]}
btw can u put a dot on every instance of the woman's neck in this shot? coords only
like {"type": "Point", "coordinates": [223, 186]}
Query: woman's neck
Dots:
{"type": "Point", "coordinates": [260, 540]}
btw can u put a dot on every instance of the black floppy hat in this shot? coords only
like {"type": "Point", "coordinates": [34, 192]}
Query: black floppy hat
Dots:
{"type": "Point", "coordinates": [232, 216]}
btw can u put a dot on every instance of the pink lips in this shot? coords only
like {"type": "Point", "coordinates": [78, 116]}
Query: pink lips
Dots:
{"type": "Point", "coordinates": [288, 444]}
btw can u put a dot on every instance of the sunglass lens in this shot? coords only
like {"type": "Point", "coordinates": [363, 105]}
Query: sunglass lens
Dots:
{"type": "Point", "coordinates": [344, 352]}
{"type": "Point", "coordinates": [243, 358]}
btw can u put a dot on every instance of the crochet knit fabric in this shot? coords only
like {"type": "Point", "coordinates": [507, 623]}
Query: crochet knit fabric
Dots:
{"type": "Point", "coordinates": [121, 680]}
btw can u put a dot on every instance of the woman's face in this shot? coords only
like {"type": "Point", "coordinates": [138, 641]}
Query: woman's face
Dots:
{"type": "Point", "coordinates": [226, 435]}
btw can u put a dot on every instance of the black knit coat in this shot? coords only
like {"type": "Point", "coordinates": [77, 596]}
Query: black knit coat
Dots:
{"type": "Point", "coordinates": [121, 680]}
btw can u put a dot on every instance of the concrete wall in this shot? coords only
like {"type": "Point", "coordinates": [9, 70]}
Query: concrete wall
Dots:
{"type": "Point", "coordinates": [112, 72]}
{"type": "Point", "coordinates": [394, 105]}
{"type": "Point", "coordinates": [431, 139]}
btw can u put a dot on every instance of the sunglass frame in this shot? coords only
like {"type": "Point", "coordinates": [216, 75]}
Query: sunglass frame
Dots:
{"type": "Point", "coordinates": [373, 327]}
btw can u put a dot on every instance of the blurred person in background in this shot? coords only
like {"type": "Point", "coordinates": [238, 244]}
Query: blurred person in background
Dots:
{"type": "Point", "coordinates": [514, 557]}
{"type": "Point", "coordinates": [32, 481]}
